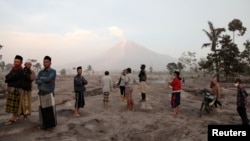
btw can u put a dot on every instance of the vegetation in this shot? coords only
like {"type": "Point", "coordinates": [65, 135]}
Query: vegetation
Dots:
{"type": "Point", "coordinates": [225, 57]}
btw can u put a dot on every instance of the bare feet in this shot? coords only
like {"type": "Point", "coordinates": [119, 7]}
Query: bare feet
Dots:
{"type": "Point", "coordinates": [173, 113]}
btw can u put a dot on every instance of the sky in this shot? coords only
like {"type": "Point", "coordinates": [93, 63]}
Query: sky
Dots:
{"type": "Point", "coordinates": [69, 30]}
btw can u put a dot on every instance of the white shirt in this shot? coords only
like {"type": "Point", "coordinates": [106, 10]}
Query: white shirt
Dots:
{"type": "Point", "coordinates": [106, 83]}
{"type": "Point", "coordinates": [129, 80]}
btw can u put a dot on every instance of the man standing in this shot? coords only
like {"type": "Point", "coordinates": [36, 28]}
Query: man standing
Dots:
{"type": "Point", "coordinates": [14, 80]}
{"type": "Point", "coordinates": [46, 86]}
{"type": "Point", "coordinates": [241, 101]}
{"type": "Point", "coordinates": [107, 86]}
{"type": "Point", "coordinates": [79, 88]}
{"type": "Point", "coordinates": [129, 80]}
{"type": "Point", "coordinates": [142, 79]}
{"type": "Point", "coordinates": [25, 97]}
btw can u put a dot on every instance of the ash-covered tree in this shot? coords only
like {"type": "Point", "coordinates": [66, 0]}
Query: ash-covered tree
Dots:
{"type": "Point", "coordinates": [229, 57]}
{"type": "Point", "coordinates": [245, 57]}
{"type": "Point", "coordinates": [214, 35]}
{"type": "Point", "coordinates": [236, 25]}
{"type": "Point", "coordinates": [171, 67]}
{"type": "Point", "coordinates": [37, 66]}
{"type": "Point", "coordinates": [2, 63]}
{"type": "Point", "coordinates": [188, 60]}
{"type": "Point", "coordinates": [63, 72]}
{"type": "Point", "coordinates": [150, 69]}
{"type": "Point", "coordinates": [205, 65]}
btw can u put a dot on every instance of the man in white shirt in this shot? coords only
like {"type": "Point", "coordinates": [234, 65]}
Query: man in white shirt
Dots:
{"type": "Point", "coordinates": [107, 86]}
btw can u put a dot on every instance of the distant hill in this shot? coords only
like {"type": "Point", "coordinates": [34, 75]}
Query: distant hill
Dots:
{"type": "Point", "coordinates": [128, 54]}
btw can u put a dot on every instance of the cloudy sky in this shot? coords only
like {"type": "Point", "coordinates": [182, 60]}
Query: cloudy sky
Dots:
{"type": "Point", "coordinates": [76, 29]}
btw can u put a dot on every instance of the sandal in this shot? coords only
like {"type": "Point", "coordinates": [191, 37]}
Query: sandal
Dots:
{"type": "Point", "coordinates": [9, 122]}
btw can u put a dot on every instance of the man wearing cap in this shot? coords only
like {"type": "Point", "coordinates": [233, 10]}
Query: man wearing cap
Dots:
{"type": "Point", "coordinates": [79, 88]}
{"type": "Point", "coordinates": [25, 97]}
{"type": "Point", "coordinates": [14, 80]}
{"type": "Point", "coordinates": [46, 86]}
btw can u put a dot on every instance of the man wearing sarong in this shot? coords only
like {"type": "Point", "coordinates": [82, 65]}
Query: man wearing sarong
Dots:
{"type": "Point", "coordinates": [107, 86]}
{"type": "Point", "coordinates": [25, 97]}
{"type": "Point", "coordinates": [46, 86]}
{"type": "Point", "coordinates": [129, 80]}
{"type": "Point", "coordinates": [79, 88]}
{"type": "Point", "coordinates": [14, 80]}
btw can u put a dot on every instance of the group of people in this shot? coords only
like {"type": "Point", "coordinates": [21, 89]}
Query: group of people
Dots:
{"type": "Point", "coordinates": [125, 83]}
{"type": "Point", "coordinates": [19, 81]}
{"type": "Point", "coordinates": [19, 87]}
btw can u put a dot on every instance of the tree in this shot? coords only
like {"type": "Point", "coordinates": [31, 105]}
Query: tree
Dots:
{"type": "Point", "coordinates": [150, 69]}
{"type": "Point", "coordinates": [204, 65]}
{"type": "Point", "coordinates": [8, 66]}
{"type": "Point", "coordinates": [214, 35]}
{"type": "Point", "coordinates": [245, 56]}
{"type": "Point", "coordinates": [188, 59]}
{"type": "Point", "coordinates": [89, 68]}
{"type": "Point", "coordinates": [235, 25]}
{"type": "Point", "coordinates": [37, 67]}
{"type": "Point", "coordinates": [63, 72]}
{"type": "Point", "coordinates": [172, 67]}
{"type": "Point", "coordinates": [229, 57]}
{"type": "Point", "coordinates": [246, 52]}
{"type": "Point", "coordinates": [2, 66]}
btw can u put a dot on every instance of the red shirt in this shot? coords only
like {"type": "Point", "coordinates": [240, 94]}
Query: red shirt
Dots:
{"type": "Point", "coordinates": [176, 84]}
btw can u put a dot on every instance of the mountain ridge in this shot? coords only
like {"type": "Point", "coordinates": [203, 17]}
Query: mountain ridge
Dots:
{"type": "Point", "coordinates": [127, 54]}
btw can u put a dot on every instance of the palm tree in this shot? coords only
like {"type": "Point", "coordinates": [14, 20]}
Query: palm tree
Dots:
{"type": "Point", "coordinates": [235, 25]}
{"type": "Point", "coordinates": [214, 35]}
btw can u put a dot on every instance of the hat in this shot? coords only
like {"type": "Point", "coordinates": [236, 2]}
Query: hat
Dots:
{"type": "Point", "coordinates": [19, 57]}
{"type": "Point", "coordinates": [47, 58]}
{"type": "Point", "coordinates": [78, 68]}
{"type": "Point", "coordinates": [28, 61]}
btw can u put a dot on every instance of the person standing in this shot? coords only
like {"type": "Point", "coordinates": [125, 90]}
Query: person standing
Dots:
{"type": "Point", "coordinates": [79, 88]}
{"type": "Point", "coordinates": [14, 80]}
{"type": "Point", "coordinates": [216, 90]}
{"type": "Point", "coordinates": [46, 85]}
{"type": "Point", "coordinates": [107, 86]}
{"type": "Point", "coordinates": [129, 80]}
{"type": "Point", "coordinates": [142, 79]}
{"type": "Point", "coordinates": [176, 93]}
{"type": "Point", "coordinates": [25, 97]}
{"type": "Point", "coordinates": [121, 85]}
{"type": "Point", "coordinates": [241, 101]}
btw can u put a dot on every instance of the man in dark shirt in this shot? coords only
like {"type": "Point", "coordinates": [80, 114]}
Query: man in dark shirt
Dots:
{"type": "Point", "coordinates": [142, 79]}
{"type": "Point", "coordinates": [14, 80]}
{"type": "Point", "coordinates": [241, 101]}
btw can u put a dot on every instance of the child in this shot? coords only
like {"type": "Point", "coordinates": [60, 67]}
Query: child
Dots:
{"type": "Point", "coordinates": [107, 84]}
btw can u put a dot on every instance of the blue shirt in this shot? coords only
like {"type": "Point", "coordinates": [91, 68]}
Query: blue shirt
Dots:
{"type": "Point", "coordinates": [46, 81]}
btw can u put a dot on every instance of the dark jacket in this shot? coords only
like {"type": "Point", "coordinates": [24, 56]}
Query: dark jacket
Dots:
{"type": "Point", "coordinates": [27, 82]}
{"type": "Point", "coordinates": [79, 83]}
{"type": "Point", "coordinates": [142, 76]}
{"type": "Point", "coordinates": [15, 78]}
{"type": "Point", "coordinates": [241, 96]}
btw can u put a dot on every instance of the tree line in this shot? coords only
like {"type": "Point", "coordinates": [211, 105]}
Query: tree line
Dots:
{"type": "Point", "coordinates": [224, 58]}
